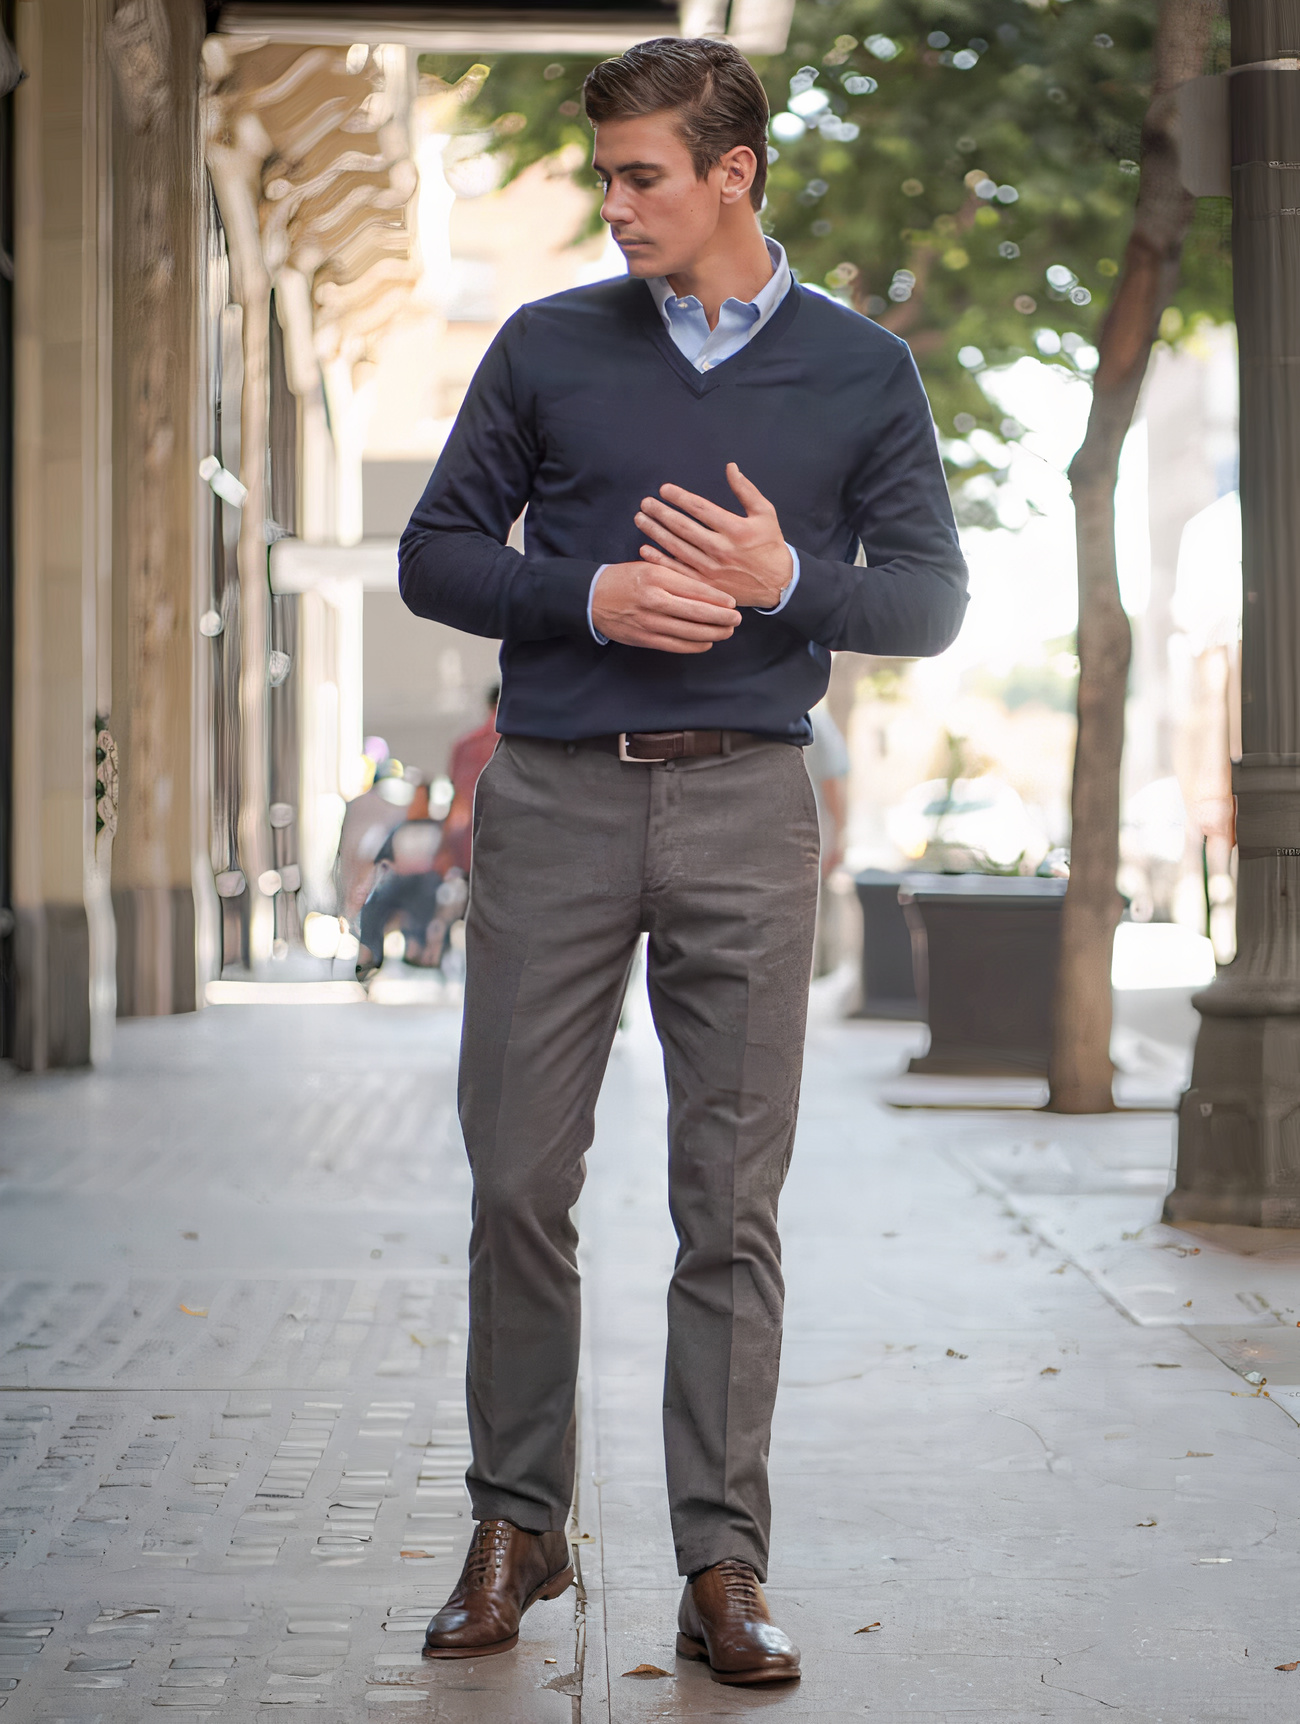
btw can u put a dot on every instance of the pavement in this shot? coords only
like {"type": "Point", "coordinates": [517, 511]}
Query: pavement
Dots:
{"type": "Point", "coordinates": [1034, 1456]}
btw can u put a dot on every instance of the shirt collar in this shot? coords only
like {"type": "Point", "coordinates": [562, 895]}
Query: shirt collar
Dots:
{"type": "Point", "coordinates": [763, 304]}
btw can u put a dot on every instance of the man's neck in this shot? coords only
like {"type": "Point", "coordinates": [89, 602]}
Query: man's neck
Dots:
{"type": "Point", "coordinates": [735, 265]}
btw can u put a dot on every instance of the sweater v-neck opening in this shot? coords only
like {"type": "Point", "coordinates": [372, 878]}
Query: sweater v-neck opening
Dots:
{"type": "Point", "coordinates": [702, 382]}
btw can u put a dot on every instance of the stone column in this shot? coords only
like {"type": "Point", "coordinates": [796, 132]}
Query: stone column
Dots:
{"type": "Point", "coordinates": [153, 47]}
{"type": "Point", "coordinates": [62, 828]}
{"type": "Point", "coordinates": [1239, 1124]}
{"type": "Point", "coordinates": [235, 154]}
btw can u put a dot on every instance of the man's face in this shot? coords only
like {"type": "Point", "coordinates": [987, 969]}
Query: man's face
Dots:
{"type": "Point", "coordinates": [661, 215]}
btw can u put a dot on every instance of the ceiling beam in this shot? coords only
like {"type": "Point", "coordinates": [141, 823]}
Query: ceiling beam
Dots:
{"type": "Point", "coordinates": [756, 26]}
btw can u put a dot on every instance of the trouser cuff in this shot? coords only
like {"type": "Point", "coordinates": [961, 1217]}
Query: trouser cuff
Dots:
{"type": "Point", "coordinates": [528, 1516]}
{"type": "Point", "coordinates": [693, 1559]}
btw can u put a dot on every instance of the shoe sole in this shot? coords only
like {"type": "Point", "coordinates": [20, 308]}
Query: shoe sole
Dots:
{"type": "Point", "coordinates": [696, 1649]}
{"type": "Point", "coordinates": [552, 1588]}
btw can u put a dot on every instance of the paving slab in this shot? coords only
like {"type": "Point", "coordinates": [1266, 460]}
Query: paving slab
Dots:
{"type": "Point", "coordinates": [1049, 1509]}
{"type": "Point", "coordinates": [232, 1334]}
{"type": "Point", "coordinates": [232, 1327]}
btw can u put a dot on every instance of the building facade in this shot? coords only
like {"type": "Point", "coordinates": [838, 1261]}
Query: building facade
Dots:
{"type": "Point", "coordinates": [207, 222]}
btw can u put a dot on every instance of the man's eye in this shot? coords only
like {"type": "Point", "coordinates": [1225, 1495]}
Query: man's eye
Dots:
{"type": "Point", "coordinates": [643, 185]}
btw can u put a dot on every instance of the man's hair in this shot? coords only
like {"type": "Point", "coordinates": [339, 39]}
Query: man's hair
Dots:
{"type": "Point", "coordinates": [710, 87]}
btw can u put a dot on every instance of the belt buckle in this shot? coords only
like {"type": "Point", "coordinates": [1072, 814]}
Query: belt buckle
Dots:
{"type": "Point", "coordinates": [632, 759]}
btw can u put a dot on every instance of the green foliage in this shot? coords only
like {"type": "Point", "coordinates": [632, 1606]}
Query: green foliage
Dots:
{"type": "Point", "coordinates": [1051, 681]}
{"type": "Point", "coordinates": [966, 148]}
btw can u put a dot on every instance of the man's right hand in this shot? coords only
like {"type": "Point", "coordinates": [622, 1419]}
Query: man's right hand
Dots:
{"type": "Point", "coordinates": [644, 605]}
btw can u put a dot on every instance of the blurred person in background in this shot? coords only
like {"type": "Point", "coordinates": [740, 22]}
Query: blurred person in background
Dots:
{"type": "Point", "coordinates": [469, 755]}
{"type": "Point", "coordinates": [827, 760]}
{"type": "Point", "coordinates": [411, 892]}
{"type": "Point", "coordinates": [367, 821]}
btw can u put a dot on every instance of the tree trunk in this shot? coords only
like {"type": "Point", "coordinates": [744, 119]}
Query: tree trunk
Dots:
{"type": "Point", "coordinates": [1081, 1073]}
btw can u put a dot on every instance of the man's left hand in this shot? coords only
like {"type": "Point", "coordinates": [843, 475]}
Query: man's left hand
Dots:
{"type": "Point", "coordinates": [744, 556]}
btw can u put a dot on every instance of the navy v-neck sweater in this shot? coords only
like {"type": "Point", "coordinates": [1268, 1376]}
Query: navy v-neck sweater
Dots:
{"type": "Point", "coordinates": [582, 406]}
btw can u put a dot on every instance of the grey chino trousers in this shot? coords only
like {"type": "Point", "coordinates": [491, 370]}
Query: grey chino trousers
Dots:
{"type": "Point", "coordinates": [575, 854]}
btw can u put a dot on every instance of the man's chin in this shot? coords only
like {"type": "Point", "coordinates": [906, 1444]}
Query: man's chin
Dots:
{"type": "Point", "coordinates": [642, 262]}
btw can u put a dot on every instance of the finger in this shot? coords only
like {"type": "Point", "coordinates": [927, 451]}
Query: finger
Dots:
{"type": "Point", "coordinates": [686, 550]}
{"type": "Point", "coordinates": [685, 527]}
{"type": "Point", "coordinates": [688, 633]}
{"type": "Point", "coordinates": [692, 622]}
{"type": "Point", "coordinates": [686, 583]}
{"type": "Point", "coordinates": [662, 643]}
{"type": "Point", "coordinates": [709, 513]}
{"type": "Point", "coordinates": [682, 629]}
{"type": "Point", "coordinates": [747, 494]}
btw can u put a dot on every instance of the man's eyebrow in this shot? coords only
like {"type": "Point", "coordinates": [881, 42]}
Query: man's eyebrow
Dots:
{"type": "Point", "coordinates": [630, 167]}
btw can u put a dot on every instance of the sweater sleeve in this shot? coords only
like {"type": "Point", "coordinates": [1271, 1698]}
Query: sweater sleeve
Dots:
{"type": "Point", "coordinates": [909, 600]}
{"type": "Point", "coordinates": [453, 563]}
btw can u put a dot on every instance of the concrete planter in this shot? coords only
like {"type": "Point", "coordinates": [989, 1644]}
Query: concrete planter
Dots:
{"type": "Point", "coordinates": [985, 951]}
{"type": "Point", "coordinates": [888, 984]}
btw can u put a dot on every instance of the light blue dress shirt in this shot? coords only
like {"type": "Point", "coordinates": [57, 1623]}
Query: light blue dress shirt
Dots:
{"type": "Point", "coordinates": [738, 323]}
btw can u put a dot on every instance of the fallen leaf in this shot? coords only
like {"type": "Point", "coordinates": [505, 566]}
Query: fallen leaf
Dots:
{"type": "Point", "coordinates": [581, 1538]}
{"type": "Point", "coordinates": [417, 1340]}
{"type": "Point", "coordinates": [550, 1661]}
{"type": "Point", "coordinates": [647, 1670]}
{"type": "Point", "coordinates": [867, 1629]}
{"type": "Point", "coordinates": [1160, 1365]}
{"type": "Point", "coordinates": [1294, 1665]}
{"type": "Point", "coordinates": [1199, 1455]}
{"type": "Point", "coordinates": [1146, 1523]}
{"type": "Point", "coordinates": [189, 1235]}
{"type": "Point", "coordinates": [193, 1313]}
{"type": "Point", "coordinates": [954, 1354]}
{"type": "Point", "coordinates": [1050, 1371]}
{"type": "Point", "coordinates": [1059, 1270]}
{"type": "Point", "coordinates": [1187, 1304]}
{"type": "Point", "coordinates": [416, 1555]}
{"type": "Point", "coordinates": [1137, 1235]}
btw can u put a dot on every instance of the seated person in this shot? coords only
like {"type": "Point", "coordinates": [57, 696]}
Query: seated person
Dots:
{"type": "Point", "coordinates": [411, 893]}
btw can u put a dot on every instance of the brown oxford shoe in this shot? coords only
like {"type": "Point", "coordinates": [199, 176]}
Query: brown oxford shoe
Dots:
{"type": "Point", "coordinates": [506, 1570]}
{"type": "Point", "coordinates": [724, 1619]}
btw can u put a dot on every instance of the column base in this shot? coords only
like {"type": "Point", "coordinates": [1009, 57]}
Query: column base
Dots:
{"type": "Point", "coordinates": [155, 951]}
{"type": "Point", "coordinates": [52, 965]}
{"type": "Point", "coordinates": [1239, 1125]}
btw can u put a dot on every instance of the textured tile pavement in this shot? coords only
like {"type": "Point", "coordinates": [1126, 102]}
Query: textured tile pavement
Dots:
{"type": "Point", "coordinates": [231, 1429]}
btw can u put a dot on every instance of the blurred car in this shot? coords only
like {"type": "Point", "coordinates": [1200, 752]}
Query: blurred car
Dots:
{"type": "Point", "coordinates": [967, 825]}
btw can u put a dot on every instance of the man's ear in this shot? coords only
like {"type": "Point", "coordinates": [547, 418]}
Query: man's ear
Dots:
{"type": "Point", "coordinates": [739, 165]}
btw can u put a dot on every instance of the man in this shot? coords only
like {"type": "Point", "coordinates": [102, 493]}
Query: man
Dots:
{"type": "Point", "coordinates": [411, 888]}
{"type": "Point", "coordinates": [469, 755]}
{"type": "Point", "coordinates": [661, 648]}
{"type": "Point", "coordinates": [827, 760]}
{"type": "Point", "coordinates": [367, 821]}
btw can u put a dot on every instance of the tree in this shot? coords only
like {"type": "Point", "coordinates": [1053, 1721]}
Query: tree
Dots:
{"type": "Point", "coordinates": [967, 173]}
{"type": "Point", "coordinates": [1081, 1074]}
{"type": "Point", "coordinates": [963, 150]}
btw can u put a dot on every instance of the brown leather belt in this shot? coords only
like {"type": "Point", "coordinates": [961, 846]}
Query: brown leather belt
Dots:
{"type": "Point", "coordinates": [653, 747]}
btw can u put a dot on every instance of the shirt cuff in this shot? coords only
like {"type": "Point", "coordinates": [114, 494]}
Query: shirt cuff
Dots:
{"type": "Point", "coordinates": [787, 592]}
{"type": "Point", "coordinates": [603, 640]}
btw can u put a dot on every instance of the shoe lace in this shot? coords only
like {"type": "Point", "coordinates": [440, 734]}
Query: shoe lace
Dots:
{"type": "Point", "coordinates": [740, 1583]}
{"type": "Point", "coordinates": [487, 1551]}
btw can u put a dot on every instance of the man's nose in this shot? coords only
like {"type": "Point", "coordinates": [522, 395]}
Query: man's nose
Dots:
{"type": "Point", "coordinates": [613, 208]}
